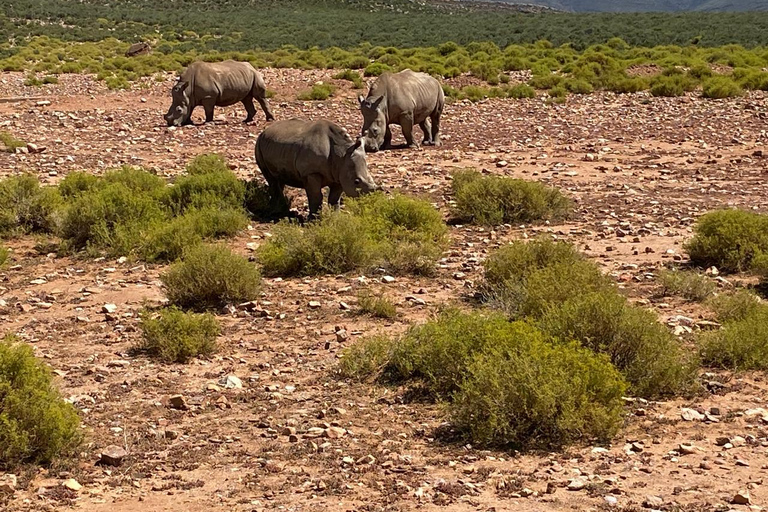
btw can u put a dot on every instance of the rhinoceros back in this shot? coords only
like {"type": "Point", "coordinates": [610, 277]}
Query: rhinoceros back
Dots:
{"type": "Point", "coordinates": [409, 91]}
{"type": "Point", "coordinates": [228, 82]}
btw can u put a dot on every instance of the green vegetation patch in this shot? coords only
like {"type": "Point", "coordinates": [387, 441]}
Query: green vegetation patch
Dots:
{"type": "Point", "coordinates": [742, 343]}
{"type": "Point", "coordinates": [10, 143]}
{"type": "Point", "coordinates": [26, 207]}
{"type": "Point", "coordinates": [36, 424]}
{"type": "Point", "coordinates": [174, 336]}
{"type": "Point", "coordinates": [318, 92]}
{"type": "Point", "coordinates": [505, 383]}
{"type": "Point", "coordinates": [404, 235]}
{"type": "Point", "coordinates": [209, 277]}
{"type": "Point", "coordinates": [731, 240]}
{"type": "Point", "coordinates": [687, 284]}
{"type": "Point", "coordinates": [492, 200]}
{"type": "Point", "coordinates": [376, 306]}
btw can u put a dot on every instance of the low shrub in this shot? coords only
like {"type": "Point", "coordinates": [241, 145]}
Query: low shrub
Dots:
{"type": "Point", "coordinates": [10, 142]}
{"type": "Point", "coordinates": [645, 351]}
{"type": "Point", "coordinates": [547, 81]}
{"type": "Point", "coordinates": [719, 87]}
{"type": "Point", "coordinates": [742, 343]}
{"type": "Point", "coordinates": [260, 205]}
{"type": "Point", "coordinates": [376, 306]}
{"type": "Point", "coordinates": [174, 336]}
{"type": "Point", "coordinates": [686, 284]}
{"type": "Point", "coordinates": [210, 276]}
{"type": "Point", "coordinates": [729, 307]}
{"type": "Point", "coordinates": [578, 86]}
{"type": "Point", "coordinates": [521, 91]}
{"type": "Point", "coordinates": [5, 254]}
{"type": "Point", "coordinates": [206, 187]}
{"type": "Point", "coordinates": [376, 69]}
{"type": "Point", "coordinates": [628, 85]}
{"type": "Point", "coordinates": [318, 92]}
{"type": "Point", "coordinates": [402, 234]}
{"type": "Point", "coordinates": [350, 76]}
{"type": "Point", "coordinates": [26, 207]}
{"type": "Point", "coordinates": [729, 240]}
{"type": "Point", "coordinates": [508, 386]}
{"type": "Point", "coordinates": [492, 200]}
{"type": "Point", "coordinates": [36, 424]}
{"type": "Point", "coordinates": [672, 85]}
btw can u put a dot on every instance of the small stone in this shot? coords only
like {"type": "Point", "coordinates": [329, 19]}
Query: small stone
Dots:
{"type": "Point", "coordinates": [8, 484]}
{"type": "Point", "coordinates": [313, 304]}
{"type": "Point", "coordinates": [742, 498]}
{"type": "Point", "coordinates": [653, 502]}
{"type": "Point", "coordinates": [342, 336]}
{"type": "Point", "coordinates": [231, 382]}
{"type": "Point", "coordinates": [387, 279]}
{"type": "Point", "coordinates": [334, 432]}
{"type": "Point", "coordinates": [344, 306]}
{"type": "Point", "coordinates": [113, 455]}
{"type": "Point", "coordinates": [108, 308]}
{"type": "Point", "coordinates": [72, 484]}
{"type": "Point", "coordinates": [686, 449]}
{"type": "Point", "coordinates": [349, 461]}
{"type": "Point", "coordinates": [691, 415]}
{"type": "Point", "coordinates": [178, 402]}
{"type": "Point", "coordinates": [577, 484]}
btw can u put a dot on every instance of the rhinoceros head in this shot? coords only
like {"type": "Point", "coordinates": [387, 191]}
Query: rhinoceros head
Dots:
{"type": "Point", "coordinates": [354, 176]}
{"type": "Point", "coordinates": [179, 111]}
{"type": "Point", "coordinates": [374, 122]}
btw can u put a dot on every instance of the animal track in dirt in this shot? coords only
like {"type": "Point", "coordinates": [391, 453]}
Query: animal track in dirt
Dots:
{"type": "Point", "coordinates": [640, 170]}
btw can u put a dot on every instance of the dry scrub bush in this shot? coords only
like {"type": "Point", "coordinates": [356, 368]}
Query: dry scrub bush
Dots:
{"type": "Point", "coordinates": [742, 343]}
{"type": "Point", "coordinates": [36, 424]}
{"type": "Point", "coordinates": [719, 87]}
{"type": "Point", "coordinates": [492, 200]}
{"type": "Point", "coordinates": [350, 76]}
{"type": "Point", "coordinates": [687, 284]}
{"type": "Point", "coordinates": [376, 306]}
{"type": "Point", "coordinates": [26, 207]}
{"type": "Point", "coordinates": [318, 92]}
{"type": "Point", "coordinates": [505, 383]}
{"type": "Point", "coordinates": [210, 276]}
{"type": "Point", "coordinates": [10, 142]}
{"type": "Point", "coordinates": [174, 336]}
{"type": "Point", "coordinates": [729, 240]}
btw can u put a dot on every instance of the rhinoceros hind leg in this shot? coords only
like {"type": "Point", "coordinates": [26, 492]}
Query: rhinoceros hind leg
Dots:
{"type": "Point", "coordinates": [249, 108]}
{"type": "Point", "coordinates": [387, 139]}
{"type": "Point", "coordinates": [208, 112]}
{"type": "Point", "coordinates": [407, 124]}
{"type": "Point", "coordinates": [265, 107]}
{"type": "Point", "coordinates": [436, 128]}
{"type": "Point", "coordinates": [427, 129]}
{"type": "Point", "coordinates": [334, 196]}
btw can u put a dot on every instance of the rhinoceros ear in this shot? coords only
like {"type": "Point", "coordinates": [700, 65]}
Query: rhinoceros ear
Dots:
{"type": "Point", "coordinates": [359, 145]}
{"type": "Point", "coordinates": [375, 105]}
{"type": "Point", "coordinates": [361, 100]}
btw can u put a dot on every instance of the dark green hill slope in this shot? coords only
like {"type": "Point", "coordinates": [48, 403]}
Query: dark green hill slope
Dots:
{"type": "Point", "coordinates": [650, 5]}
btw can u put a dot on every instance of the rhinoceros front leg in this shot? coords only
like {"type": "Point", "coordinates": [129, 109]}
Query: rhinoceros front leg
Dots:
{"type": "Point", "coordinates": [208, 106]}
{"type": "Point", "coordinates": [334, 196]}
{"type": "Point", "coordinates": [406, 122]}
{"type": "Point", "coordinates": [314, 190]}
{"type": "Point", "coordinates": [249, 108]}
{"type": "Point", "coordinates": [387, 139]}
{"type": "Point", "coordinates": [427, 129]}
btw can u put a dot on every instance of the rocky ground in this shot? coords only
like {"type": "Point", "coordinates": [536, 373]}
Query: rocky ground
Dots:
{"type": "Point", "coordinates": [288, 434]}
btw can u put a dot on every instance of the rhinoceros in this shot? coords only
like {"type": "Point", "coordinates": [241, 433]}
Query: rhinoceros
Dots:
{"type": "Point", "coordinates": [406, 98]}
{"type": "Point", "coordinates": [217, 84]}
{"type": "Point", "coordinates": [313, 155]}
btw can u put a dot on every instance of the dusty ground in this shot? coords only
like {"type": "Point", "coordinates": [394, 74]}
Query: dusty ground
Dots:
{"type": "Point", "coordinates": [641, 170]}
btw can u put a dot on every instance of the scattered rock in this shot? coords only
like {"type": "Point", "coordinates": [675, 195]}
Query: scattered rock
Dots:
{"type": "Point", "coordinates": [578, 483]}
{"type": "Point", "coordinates": [742, 498]}
{"type": "Point", "coordinates": [231, 382]}
{"type": "Point", "coordinates": [8, 483]}
{"type": "Point", "coordinates": [112, 455]}
{"type": "Point", "coordinates": [72, 484]}
{"type": "Point", "coordinates": [178, 402]}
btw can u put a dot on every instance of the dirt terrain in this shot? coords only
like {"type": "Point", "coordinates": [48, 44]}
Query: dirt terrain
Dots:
{"type": "Point", "coordinates": [296, 437]}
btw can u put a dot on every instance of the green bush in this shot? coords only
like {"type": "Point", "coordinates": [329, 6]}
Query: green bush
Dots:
{"type": "Point", "coordinates": [644, 350]}
{"type": "Point", "coordinates": [742, 343]}
{"type": "Point", "coordinates": [521, 91]}
{"type": "Point", "coordinates": [376, 69]}
{"type": "Point", "coordinates": [578, 86]}
{"type": "Point", "coordinates": [210, 276]}
{"type": "Point", "coordinates": [350, 76]}
{"type": "Point", "coordinates": [628, 85]}
{"type": "Point", "coordinates": [259, 204]}
{"type": "Point", "coordinates": [5, 254]}
{"type": "Point", "coordinates": [721, 87]}
{"type": "Point", "coordinates": [729, 240]}
{"type": "Point", "coordinates": [10, 142]}
{"type": "Point", "coordinates": [213, 186]}
{"type": "Point", "coordinates": [26, 207]}
{"type": "Point", "coordinates": [492, 200]}
{"type": "Point", "coordinates": [734, 306]}
{"type": "Point", "coordinates": [672, 85]}
{"type": "Point", "coordinates": [318, 92]}
{"type": "Point", "coordinates": [686, 284]}
{"type": "Point", "coordinates": [547, 81]}
{"type": "Point", "coordinates": [36, 424]}
{"type": "Point", "coordinates": [376, 306]}
{"type": "Point", "coordinates": [76, 183]}
{"type": "Point", "coordinates": [402, 234]}
{"type": "Point", "coordinates": [508, 385]}
{"type": "Point", "coordinates": [176, 337]}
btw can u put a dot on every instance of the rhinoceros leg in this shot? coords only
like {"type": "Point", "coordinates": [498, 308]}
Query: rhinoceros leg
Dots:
{"type": "Point", "coordinates": [334, 196]}
{"type": "Point", "coordinates": [387, 139]}
{"type": "Point", "coordinates": [406, 122]}
{"type": "Point", "coordinates": [436, 128]}
{"type": "Point", "coordinates": [208, 106]}
{"type": "Point", "coordinates": [427, 129]}
{"type": "Point", "coordinates": [314, 190]}
{"type": "Point", "coordinates": [248, 104]}
{"type": "Point", "coordinates": [265, 107]}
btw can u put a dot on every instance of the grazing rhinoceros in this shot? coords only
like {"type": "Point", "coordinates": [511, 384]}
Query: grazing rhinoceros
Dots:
{"type": "Point", "coordinates": [406, 98]}
{"type": "Point", "coordinates": [312, 155]}
{"type": "Point", "coordinates": [217, 84]}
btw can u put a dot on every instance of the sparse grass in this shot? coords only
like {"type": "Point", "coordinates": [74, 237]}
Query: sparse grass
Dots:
{"type": "Point", "coordinates": [729, 307]}
{"type": "Point", "coordinates": [10, 142]}
{"type": "Point", "coordinates": [721, 87]}
{"type": "Point", "coordinates": [505, 383]}
{"type": "Point", "coordinates": [492, 200]}
{"type": "Point", "coordinates": [351, 76]}
{"type": "Point", "coordinates": [402, 234]}
{"type": "Point", "coordinates": [687, 284]}
{"type": "Point", "coordinates": [210, 276]}
{"type": "Point", "coordinates": [174, 336]}
{"type": "Point", "coordinates": [729, 239]}
{"type": "Point", "coordinates": [37, 425]}
{"type": "Point", "coordinates": [376, 306]}
{"type": "Point", "coordinates": [26, 207]}
{"type": "Point", "coordinates": [319, 92]}
{"type": "Point", "coordinates": [742, 343]}
{"type": "Point", "coordinates": [5, 255]}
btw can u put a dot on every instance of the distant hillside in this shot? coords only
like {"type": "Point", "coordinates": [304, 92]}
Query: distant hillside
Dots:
{"type": "Point", "coordinates": [649, 5]}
